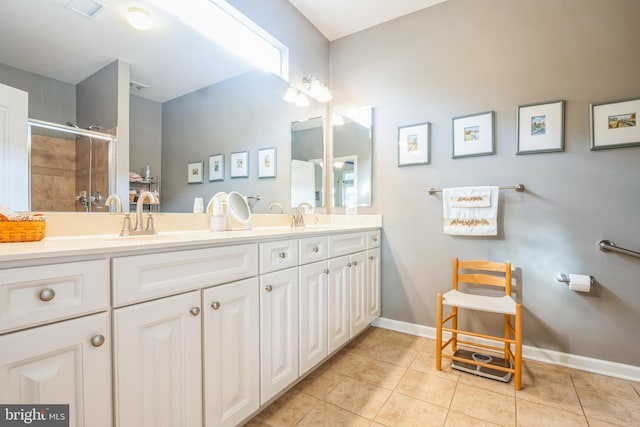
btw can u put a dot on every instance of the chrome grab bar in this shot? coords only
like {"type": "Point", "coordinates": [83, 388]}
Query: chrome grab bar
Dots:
{"type": "Point", "coordinates": [518, 187]}
{"type": "Point", "coordinates": [608, 245]}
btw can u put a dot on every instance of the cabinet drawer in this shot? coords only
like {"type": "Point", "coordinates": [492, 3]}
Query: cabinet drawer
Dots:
{"type": "Point", "coordinates": [143, 277]}
{"type": "Point", "coordinates": [278, 255]}
{"type": "Point", "coordinates": [343, 244]}
{"type": "Point", "coordinates": [35, 295]}
{"type": "Point", "coordinates": [373, 239]}
{"type": "Point", "coordinates": [313, 249]}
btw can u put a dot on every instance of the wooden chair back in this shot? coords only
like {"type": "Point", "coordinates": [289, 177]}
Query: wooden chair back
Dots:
{"type": "Point", "coordinates": [476, 274]}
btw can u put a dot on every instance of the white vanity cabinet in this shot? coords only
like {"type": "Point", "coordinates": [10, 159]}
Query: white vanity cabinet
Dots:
{"type": "Point", "coordinates": [62, 363]}
{"type": "Point", "coordinates": [314, 280]}
{"type": "Point", "coordinates": [278, 331]}
{"type": "Point", "coordinates": [373, 284]}
{"type": "Point", "coordinates": [158, 363]}
{"type": "Point", "coordinates": [231, 341]}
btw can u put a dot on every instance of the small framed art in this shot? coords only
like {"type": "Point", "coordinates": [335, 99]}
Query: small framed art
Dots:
{"type": "Point", "coordinates": [414, 146]}
{"type": "Point", "coordinates": [473, 135]}
{"type": "Point", "coordinates": [615, 124]}
{"type": "Point", "coordinates": [240, 164]}
{"type": "Point", "coordinates": [540, 128]}
{"type": "Point", "coordinates": [194, 172]}
{"type": "Point", "coordinates": [216, 167]}
{"type": "Point", "coordinates": [267, 163]}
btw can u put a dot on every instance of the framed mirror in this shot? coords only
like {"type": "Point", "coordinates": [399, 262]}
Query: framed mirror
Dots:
{"type": "Point", "coordinates": [351, 164]}
{"type": "Point", "coordinates": [307, 162]}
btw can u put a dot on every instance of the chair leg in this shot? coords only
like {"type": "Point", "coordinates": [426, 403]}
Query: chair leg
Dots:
{"type": "Point", "coordinates": [518, 348]}
{"type": "Point", "coordinates": [507, 335]}
{"type": "Point", "coordinates": [439, 332]}
{"type": "Point", "coordinates": [454, 326]}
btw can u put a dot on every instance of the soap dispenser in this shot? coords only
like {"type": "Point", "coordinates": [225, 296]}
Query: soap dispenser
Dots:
{"type": "Point", "coordinates": [217, 216]}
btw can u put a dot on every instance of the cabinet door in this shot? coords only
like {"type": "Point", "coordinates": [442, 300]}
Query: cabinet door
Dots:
{"type": "Point", "coordinates": [231, 352]}
{"type": "Point", "coordinates": [373, 284]}
{"type": "Point", "coordinates": [158, 375]}
{"type": "Point", "coordinates": [338, 303]}
{"type": "Point", "coordinates": [278, 331]}
{"type": "Point", "coordinates": [313, 314]}
{"type": "Point", "coordinates": [62, 363]}
{"type": "Point", "coordinates": [358, 293]}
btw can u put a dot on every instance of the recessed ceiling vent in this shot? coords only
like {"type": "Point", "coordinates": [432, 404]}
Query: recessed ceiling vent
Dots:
{"type": "Point", "coordinates": [86, 8]}
{"type": "Point", "coordinates": [135, 86]}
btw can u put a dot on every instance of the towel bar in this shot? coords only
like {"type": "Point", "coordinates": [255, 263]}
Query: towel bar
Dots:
{"type": "Point", "coordinates": [608, 245]}
{"type": "Point", "coordinates": [518, 187]}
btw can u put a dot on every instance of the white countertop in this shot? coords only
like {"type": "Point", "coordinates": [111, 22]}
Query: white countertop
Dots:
{"type": "Point", "coordinates": [99, 244]}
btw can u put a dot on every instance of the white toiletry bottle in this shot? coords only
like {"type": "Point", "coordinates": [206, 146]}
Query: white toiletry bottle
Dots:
{"type": "Point", "coordinates": [217, 216]}
{"type": "Point", "coordinates": [147, 173]}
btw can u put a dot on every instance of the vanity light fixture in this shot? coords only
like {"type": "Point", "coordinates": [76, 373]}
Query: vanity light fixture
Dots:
{"type": "Point", "coordinates": [139, 18]}
{"type": "Point", "coordinates": [313, 86]}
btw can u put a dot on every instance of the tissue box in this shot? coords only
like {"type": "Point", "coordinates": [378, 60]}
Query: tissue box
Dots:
{"type": "Point", "coordinates": [27, 228]}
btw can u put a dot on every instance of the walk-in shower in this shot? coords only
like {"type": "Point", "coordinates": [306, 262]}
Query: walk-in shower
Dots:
{"type": "Point", "coordinates": [72, 169]}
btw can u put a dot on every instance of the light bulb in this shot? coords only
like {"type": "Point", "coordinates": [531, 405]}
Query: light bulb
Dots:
{"type": "Point", "coordinates": [302, 100]}
{"type": "Point", "coordinates": [291, 95]}
{"type": "Point", "coordinates": [139, 18]}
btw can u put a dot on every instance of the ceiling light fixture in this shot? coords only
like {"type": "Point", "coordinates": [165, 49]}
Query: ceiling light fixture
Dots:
{"type": "Point", "coordinates": [139, 18]}
{"type": "Point", "coordinates": [313, 86]}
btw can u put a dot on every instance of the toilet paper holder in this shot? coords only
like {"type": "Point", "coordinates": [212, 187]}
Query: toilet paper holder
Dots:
{"type": "Point", "coordinates": [561, 277]}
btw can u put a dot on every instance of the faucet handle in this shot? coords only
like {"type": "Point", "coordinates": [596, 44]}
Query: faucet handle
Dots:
{"type": "Point", "coordinates": [150, 226]}
{"type": "Point", "coordinates": [126, 225]}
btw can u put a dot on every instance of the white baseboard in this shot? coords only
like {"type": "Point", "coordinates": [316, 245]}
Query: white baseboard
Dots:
{"type": "Point", "coordinates": [596, 366]}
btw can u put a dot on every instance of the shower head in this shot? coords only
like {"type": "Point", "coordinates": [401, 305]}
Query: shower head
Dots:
{"type": "Point", "coordinates": [95, 128]}
{"type": "Point", "coordinates": [73, 125]}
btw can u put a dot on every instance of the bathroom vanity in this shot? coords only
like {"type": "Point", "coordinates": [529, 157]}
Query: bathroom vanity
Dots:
{"type": "Point", "coordinates": [184, 328]}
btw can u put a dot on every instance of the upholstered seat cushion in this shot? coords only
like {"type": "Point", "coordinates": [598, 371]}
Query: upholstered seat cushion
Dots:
{"type": "Point", "coordinates": [504, 304]}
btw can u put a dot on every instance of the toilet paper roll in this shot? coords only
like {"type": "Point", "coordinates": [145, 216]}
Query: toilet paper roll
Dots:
{"type": "Point", "coordinates": [580, 282]}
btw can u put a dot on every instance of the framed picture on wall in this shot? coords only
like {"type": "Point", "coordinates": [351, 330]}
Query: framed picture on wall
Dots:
{"type": "Point", "coordinates": [615, 124]}
{"type": "Point", "coordinates": [267, 163]}
{"type": "Point", "coordinates": [473, 135]}
{"type": "Point", "coordinates": [216, 167]}
{"type": "Point", "coordinates": [540, 128]}
{"type": "Point", "coordinates": [414, 146]}
{"type": "Point", "coordinates": [194, 172]}
{"type": "Point", "coordinates": [240, 164]}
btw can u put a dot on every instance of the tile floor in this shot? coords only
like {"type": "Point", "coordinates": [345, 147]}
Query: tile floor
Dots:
{"type": "Point", "coordinates": [386, 378]}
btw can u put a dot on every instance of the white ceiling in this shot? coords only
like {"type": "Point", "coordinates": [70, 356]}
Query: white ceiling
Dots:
{"type": "Point", "coordinates": [45, 37]}
{"type": "Point", "coordinates": [339, 18]}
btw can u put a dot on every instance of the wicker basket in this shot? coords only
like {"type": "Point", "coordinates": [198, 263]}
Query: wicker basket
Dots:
{"type": "Point", "coordinates": [21, 231]}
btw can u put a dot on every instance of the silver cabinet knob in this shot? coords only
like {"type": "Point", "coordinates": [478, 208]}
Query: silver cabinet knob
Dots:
{"type": "Point", "coordinates": [354, 263]}
{"type": "Point", "coordinates": [269, 288]}
{"type": "Point", "coordinates": [315, 249]}
{"type": "Point", "coordinates": [215, 305]}
{"type": "Point", "coordinates": [97, 340]}
{"type": "Point", "coordinates": [349, 265]}
{"type": "Point", "coordinates": [47, 294]}
{"type": "Point", "coordinates": [371, 257]}
{"type": "Point", "coordinates": [194, 311]}
{"type": "Point", "coordinates": [375, 239]}
{"type": "Point", "coordinates": [326, 271]}
{"type": "Point", "coordinates": [282, 255]}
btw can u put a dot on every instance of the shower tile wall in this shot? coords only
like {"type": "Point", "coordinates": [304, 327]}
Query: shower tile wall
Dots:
{"type": "Point", "coordinates": [100, 173]}
{"type": "Point", "coordinates": [53, 173]}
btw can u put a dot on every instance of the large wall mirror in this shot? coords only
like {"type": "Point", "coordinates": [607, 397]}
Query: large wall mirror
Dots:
{"type": "Point", "coordinates": [352, 150]}
{"type": "Point", "coordinates": [307, 162]}
{"type": "Point", "coordinates": [186, 98]}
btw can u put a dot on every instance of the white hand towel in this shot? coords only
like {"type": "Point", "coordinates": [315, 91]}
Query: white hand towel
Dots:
{"type": "Point", "coordinates": [468, 212]}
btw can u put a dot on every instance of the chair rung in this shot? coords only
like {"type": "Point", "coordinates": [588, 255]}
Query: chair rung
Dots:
{"type": "Point", "coordinates": [480, 345]}
{"type": "Point", "coordinates": [473, 334]}
{"type": "Point", "coordinates": [446, 319]}
{"type": "Point", "coordinates": [447, 343]}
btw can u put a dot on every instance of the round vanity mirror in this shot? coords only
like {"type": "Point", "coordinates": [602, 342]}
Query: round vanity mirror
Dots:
{"type": "Point", "coordinates": [238, 207]}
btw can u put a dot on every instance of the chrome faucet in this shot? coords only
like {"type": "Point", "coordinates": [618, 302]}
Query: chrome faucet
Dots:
{"type": "Point", "coordinates": [297, 220]}
{"type": "Point", "coordinates": [145, 195]}
{"type": "Point", "coordinates": [126, 224]}
{"type": "Point", "coordinates": [114, 197]}
{"type": "Point", "coordinates": [275, 205]}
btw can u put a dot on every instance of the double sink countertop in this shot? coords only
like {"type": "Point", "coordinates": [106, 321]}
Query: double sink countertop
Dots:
{"type": "Point", "coordinates": [82, 234]}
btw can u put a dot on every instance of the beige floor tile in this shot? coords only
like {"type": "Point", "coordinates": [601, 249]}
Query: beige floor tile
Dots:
{"type": "Point", "coordinates": [393, 353]}
{"type": "Point", "coordinates": [358, 397]}
{"type": "Point", "coordinates": [610, 408]}
{"type": "Point", "coordinates": [457, 419]}
{"type": "Point", "coordinates": [405, 411]}
{"type": "Point", "coordinates": [362, 346]}
{"type": "Point", "coordinates": [533, 372]}
{"type": "Point", "coordinates": [256, 423]}
{"type": "Point", "coordinates": [343, 362]}
{"type": "Point", "coordinates": [426, 362]}
{"type": "Point", "coordinates": [430, 388]}
{"type": "Point", "coordinates": [637, 387]}
{"type": "Point", "coordinates": [377, 372]}
{"type": "Point", "coordinates": [549, 393]}
{"type": "Point", "coordinates": [600, 383]}
{"type": "Point", "coordinates": [325, 415]}
{"type": "Point", "coordinates": [485, 405]}
{"type": "Point", "coordinates": [319, 383]}
{"type": "Point", "coordinates": [488, 384]}
{"type": "Point", "coordinates": [531, 414]}
{"type": "Point", "coordinates": [287, 410]}
{"type": "Point", "coordinates": [398, 338]}
{"type": "Point", "coordinates": [599, 423]}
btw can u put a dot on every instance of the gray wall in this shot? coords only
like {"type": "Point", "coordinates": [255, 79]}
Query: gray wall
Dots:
{"type": "Point", "coordinates": [465, 56]}
{"type": "Point", "coordinates": [146, 135]}
{"type": "Point", "coordinates": [49, 99]}
{"type": "Point", "coordinates": [97, 100]}
{"type": "Point", "coordinates": [244, 113]}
